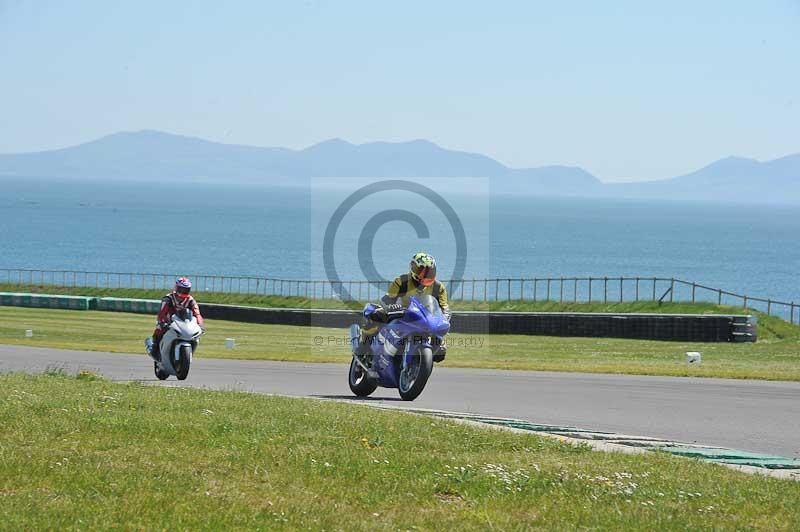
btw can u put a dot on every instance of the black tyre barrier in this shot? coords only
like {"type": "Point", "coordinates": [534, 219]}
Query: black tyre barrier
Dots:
{"type": "Point", "coordinates": [669, 327]}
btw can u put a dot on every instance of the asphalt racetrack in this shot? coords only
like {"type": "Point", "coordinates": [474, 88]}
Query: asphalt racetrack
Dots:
{"type": "Point", "coordinates": [757, 416]}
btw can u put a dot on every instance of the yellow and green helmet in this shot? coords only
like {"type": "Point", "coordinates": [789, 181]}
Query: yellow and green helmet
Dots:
{"type": "Point", "coordinates": [423, 268]}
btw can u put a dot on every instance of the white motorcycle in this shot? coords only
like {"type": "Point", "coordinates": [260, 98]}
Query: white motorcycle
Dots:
{"type": "Point", "coordinates": [177, 346]}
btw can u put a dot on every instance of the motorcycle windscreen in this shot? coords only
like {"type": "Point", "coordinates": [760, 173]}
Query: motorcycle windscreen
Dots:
{"type": "Point", "coordinates": [425, 308]}
{"type": "Point", "coordinates": [429, 303]}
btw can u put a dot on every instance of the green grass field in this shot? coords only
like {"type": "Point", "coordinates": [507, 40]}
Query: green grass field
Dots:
{"type": "Point", "coordinates": [86, 453]}
{"type": "Point", "coordinates": [776, 356]}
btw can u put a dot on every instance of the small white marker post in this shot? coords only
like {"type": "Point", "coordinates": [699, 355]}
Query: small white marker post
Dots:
{"type": "Point", "coordinates": [230, 343]}
{"type": "Point", "coordinates": [29, 333]}
{"type": "Point", "coordinates": [693, 357]}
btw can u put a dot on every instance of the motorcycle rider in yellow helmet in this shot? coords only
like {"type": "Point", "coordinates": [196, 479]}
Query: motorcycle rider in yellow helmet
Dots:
{"type": "Point", "coordinates": [420, 280]}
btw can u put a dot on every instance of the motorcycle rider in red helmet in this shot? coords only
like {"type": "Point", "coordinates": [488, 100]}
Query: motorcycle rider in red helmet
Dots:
{"type": "Point", "coordinates": [171, 303]}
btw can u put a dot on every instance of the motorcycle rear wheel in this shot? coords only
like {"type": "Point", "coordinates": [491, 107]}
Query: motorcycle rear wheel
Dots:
{"type": "Point", "coordinates": [360, 383]}
{"type": "Point", "coordinates": [414, 376]}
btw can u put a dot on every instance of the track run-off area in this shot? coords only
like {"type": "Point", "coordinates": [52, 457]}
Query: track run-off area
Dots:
{"type": "Point", "coordinates": [746, 415]}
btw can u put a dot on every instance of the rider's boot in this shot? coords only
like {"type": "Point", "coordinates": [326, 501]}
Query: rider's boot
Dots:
{"type": "Point", "coordinates": [363, 350]}
{"type": "Point", "coordinates": [440, 353]}
{"type": "Point", "coordinates": [155, 351]}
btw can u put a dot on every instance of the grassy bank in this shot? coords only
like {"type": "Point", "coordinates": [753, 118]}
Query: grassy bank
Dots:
{"type": "Point", "coordinates": [301, 302]}
{"type": "Point", "coordinates": [773, 357]}
{"type": "Point", "coordinates": [86, 453]}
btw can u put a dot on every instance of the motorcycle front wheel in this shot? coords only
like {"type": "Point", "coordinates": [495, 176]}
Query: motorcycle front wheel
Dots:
{"type": "Point", "coordinates": [360, 383]}
{"type": "Point", "coordinates": [182, 364]}
{"type": "Point", "coordinates": [414, 376]}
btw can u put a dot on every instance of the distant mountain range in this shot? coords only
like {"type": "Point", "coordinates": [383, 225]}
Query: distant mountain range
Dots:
{"type": "Point", "coordinates": [156, 156]}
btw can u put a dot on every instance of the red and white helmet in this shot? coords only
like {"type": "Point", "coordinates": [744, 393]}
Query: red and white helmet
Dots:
{"type": "Point", "coordinates": [183, 286]}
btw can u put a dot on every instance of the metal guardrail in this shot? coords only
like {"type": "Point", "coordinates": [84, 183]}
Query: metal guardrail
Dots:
{"type": "Point", "coordinates": [560, 289]}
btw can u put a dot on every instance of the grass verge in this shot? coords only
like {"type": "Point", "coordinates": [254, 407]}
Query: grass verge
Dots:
{"type": "Point", "coordinates": [257, 300]}
{"type": "Point", "coordinates": [87, 453]}
{"type": "Point", "coordinates": [774, 358]}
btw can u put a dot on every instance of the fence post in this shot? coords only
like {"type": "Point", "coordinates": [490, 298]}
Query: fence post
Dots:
{"type": "Point", "coordinates": [605, 289]}
{"type": "Point", "coordinates": [590, 289]}
{"type": "Point", "coordinates": [485, 289]}
{"type": "Point", "coordinates": [535, 288]}
{"type": "Point", "coordinates": [561, 292]}
{"type": "Point", "coordinates": [694, 288]}
{"type": "Point", "coordinates": [522, 289]}
{"type": "Point", "coordinates": [672, 290]}
{"type": "Point", "coordinates": [769, 307]}
{"type": "Point", "coordinates": [719, 296]}
{"type": "Point", "coordinates": [548, 289]}
{"type": "Point", "coordinates": [654, 288]}
{"type": "Point", "coordinates": [637, 289]}
{"type": "Point", "coordinates": [791, 313]}
{"type": "Point", "coordinates": [575, 292]}
{"type": "Point", "coordinates": [745, 301]}
{"type": "Point", "coordinates": [620, 289]}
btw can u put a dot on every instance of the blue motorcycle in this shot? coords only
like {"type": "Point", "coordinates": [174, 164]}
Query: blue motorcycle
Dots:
{"type": "Point", "coordinates": [402, 351]}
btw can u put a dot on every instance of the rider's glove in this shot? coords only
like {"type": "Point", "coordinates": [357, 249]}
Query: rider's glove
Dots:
{"type": "Point", "coordinates": [394, 311]}
{"type": "Point", "coordinates": [378, 314]}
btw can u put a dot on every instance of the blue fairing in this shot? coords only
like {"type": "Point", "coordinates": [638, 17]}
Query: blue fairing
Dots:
{"type": "Point", "coordinates": [399, 339]}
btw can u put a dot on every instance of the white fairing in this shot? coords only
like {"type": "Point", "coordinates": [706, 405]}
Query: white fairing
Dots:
{"type": "Point", "coordinates": [180, 333]}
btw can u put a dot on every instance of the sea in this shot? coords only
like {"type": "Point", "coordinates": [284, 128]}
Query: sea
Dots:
{"type": "Point", "coordinates": [475, 231]}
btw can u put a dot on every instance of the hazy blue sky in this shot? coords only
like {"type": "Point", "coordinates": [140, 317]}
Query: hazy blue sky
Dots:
{"type": "Point", "coordinates": [633, 90]}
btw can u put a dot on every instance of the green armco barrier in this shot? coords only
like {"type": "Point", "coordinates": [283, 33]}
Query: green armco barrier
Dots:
{"type": "Point", "coordinates": [136, 306]}
{"type": "Point", "coordinates": [113, 304]}
{"type": "Point", "coordinates": [9, 299]}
